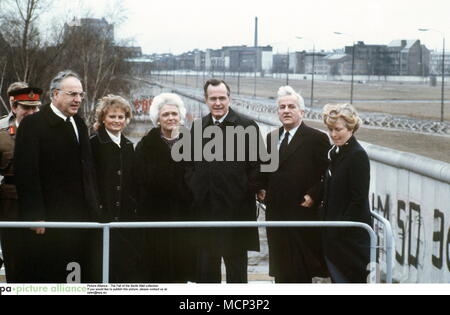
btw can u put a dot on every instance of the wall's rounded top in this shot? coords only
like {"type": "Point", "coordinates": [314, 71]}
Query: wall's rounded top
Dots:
{"type": "Point", "coordinates": [424, 166]}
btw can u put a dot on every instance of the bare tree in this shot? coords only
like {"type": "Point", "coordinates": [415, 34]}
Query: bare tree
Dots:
{"type": "Point", "coordinates": [92, 51]}
{"type": "Point", "coordinates": [3, 64]}
{"type": "Point", "coordinates": [20, 30]}
{"type": "Point", "coordinates": [86, 45]}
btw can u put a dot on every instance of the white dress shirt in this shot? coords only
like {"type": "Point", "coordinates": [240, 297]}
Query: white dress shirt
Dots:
{"type": "Point", "coordinates": [221, 120]}
{"type": "Point", "coordinates": [64, 117]}
{"type": "Point", "coordinates": [115, 139]}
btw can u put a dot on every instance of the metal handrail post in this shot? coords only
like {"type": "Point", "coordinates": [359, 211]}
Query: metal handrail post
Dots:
{"type": "Point", "coordinates": [389, 236]}
{"type": "Point", "coordinates": [208, 224]}
{"type": "Point", "coordinates": [106, 251]}
{"type": "Point", "coordinates": [238, 224]}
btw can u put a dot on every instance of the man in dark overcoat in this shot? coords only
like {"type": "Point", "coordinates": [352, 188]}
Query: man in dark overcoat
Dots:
{"type": "Point", "coordinates": [224, 191]}
{"type": "Point", "coordinates": [56, 182]}
{"type": "Point", "coordinates": [293, 193]}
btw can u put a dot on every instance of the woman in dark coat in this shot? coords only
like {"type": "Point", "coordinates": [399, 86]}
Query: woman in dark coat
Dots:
{"type": "Point", "coordinates": [114, 163]}
{"type": "Point", "coordinates": [347, 251]}
{"type": "Point", "coordinates": [164, 195]}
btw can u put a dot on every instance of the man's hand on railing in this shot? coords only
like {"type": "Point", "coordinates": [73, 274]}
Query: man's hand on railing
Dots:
{"type": "Point", "coordinates": [39, 231]}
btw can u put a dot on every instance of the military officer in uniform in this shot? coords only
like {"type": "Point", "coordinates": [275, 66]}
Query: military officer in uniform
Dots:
{"type": "Point", "coordinates": [24, 102]}
{"type": "Point", "coordinates": [7, 120]}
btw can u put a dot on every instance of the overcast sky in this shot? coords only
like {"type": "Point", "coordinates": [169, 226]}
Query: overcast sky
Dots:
{"type": "Point", "coordinates": [179, 25]}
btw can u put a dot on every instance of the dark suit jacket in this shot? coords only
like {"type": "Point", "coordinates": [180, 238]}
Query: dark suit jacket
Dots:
{"type": "Point", "coordinates": [55, 175]}
{"type": "Point", "coordinates": [55, 181]}
{"type": "Point", "coordinates": [347, 199]}
{"type": "Point", "coordinates": [225, 191]}
{"type": "Point", "coordinates": [296, 251]}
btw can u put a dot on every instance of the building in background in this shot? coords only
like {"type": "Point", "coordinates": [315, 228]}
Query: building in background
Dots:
{"type": "Point", "coordinates": [199, 60]}
{"type": "Point", "coordinates": [436, 63]}
{"type": "Point", "coordinates": [408, 58]}
{"type": "Point", "coordinates": [304, 62]}
{"type": "Point", "coordinates": [339, 63]}
{"type": "Point", "coordinates": [214, 60]}
{"type": "Point", "coordinates": [370, 59]}
{"type": "Point", "coordinates": [248, 59]}
{"type": "Point", "coordinates": [281, 63]}
{"type": "Point", "coordinates": [186, 61]}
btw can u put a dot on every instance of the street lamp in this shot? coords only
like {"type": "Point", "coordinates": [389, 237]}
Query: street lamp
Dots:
{"type": "Point", "coordinates": [287, 67]}
{"type": "Point", "coordinates": [313, 68]}
{"type": "Point", "coordinates": [353, 65]}
{"type": "Point", "coordinates": [443, 68]}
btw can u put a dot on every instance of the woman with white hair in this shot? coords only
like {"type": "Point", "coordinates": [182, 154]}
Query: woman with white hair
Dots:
{"type": "Point", "coordinates": [164, 195]}
{"type": "Point", "coordinates": [347, 251]}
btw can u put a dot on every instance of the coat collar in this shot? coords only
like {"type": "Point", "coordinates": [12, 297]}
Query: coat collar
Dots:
{"type": "Point", "coordinates": [104, 138]}
{"type": "Point", "coordinates": [343, 150]}
{"type": "Point", "coordinates": [55, 120]}
{"type": "Point", "coordinates": [52, 118]}
{"type": "Point", "coordinates": [337, 157]}
{"type": "Point", "coordinates": [231, 119]}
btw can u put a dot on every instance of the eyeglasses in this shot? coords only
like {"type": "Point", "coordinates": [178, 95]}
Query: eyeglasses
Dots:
{"type": "Point", "coordinates": [82, 95]}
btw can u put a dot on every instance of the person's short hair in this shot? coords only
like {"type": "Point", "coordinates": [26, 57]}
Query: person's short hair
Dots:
{"type": "Point", "coordinates": [167, 99]}
{"type": "Point", "coordinates": [215, 82]}
{"type": "Point", "coordinates": [16, 86]}
{"type": "Point", "coordinates": [288, 91]}
{"type": "Point", "coordinates": [55, 84]}
{"type": "Point", "coordinates": [108, 103]}
{"type": "Point", "coordinates": [346, 112]}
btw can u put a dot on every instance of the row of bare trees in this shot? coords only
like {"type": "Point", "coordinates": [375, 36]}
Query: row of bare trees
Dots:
{"type": "Point", "coordinates": [87, 46]}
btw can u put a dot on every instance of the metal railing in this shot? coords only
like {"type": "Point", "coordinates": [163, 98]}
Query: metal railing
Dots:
{"type": "Point", "coordinates": [390, 241]}
{"type": "Point", "coordinates": [161, 225]}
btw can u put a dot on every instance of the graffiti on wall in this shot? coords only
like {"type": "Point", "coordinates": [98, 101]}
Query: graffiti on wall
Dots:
{"type": "Point", "coordinates": [412, 236]}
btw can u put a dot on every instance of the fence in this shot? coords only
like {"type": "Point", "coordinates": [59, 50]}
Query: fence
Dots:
{"type": "Point", "coordinates": [158, 225]}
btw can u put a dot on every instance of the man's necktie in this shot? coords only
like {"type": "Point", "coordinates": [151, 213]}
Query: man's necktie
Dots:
{"type": "Point", "coordinates": [69, 127]}
{"type": "Point", "coordinates": [284, 145]}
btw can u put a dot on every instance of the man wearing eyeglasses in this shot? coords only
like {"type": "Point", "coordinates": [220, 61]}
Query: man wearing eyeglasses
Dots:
{"type": "Point", "coordinates": [55, 182]}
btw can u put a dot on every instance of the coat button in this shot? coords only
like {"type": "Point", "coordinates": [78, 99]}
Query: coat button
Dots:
{"type": "Point", "coordinates": [119, 188]}
{"type": "Point", "coordinates": [117, 204]}
{"type": "Point", "coordinates": [119, 173]}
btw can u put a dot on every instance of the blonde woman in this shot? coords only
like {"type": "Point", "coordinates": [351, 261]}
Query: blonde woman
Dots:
{"type": "Point", "coordinates": [114, 164]}
{"type": "Point", "coordinates": [347, 251]}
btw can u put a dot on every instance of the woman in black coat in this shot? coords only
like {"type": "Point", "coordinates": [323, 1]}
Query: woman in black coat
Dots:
{"type": "Point", "coordinates": [164, 195]}
{"type": "Point", "coordinates": [114, 163]}
{"type": "Point", "coordinates": [347, 251]}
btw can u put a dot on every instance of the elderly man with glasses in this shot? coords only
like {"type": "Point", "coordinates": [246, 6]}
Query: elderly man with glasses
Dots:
{"type": "Point", "coordinates": [55, 182]}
